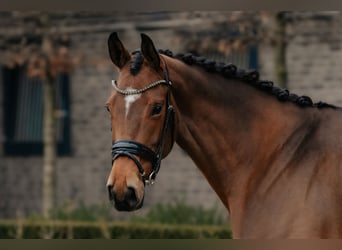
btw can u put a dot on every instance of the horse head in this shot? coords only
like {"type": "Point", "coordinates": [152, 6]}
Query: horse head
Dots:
{"type": "Point", "coordinates": [142, 121]}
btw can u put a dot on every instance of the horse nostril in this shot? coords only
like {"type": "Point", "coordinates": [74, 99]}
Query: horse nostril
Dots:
{"type": "Point", "coordinates": [130, 195]}
{"type": "Point", "coordinates": [126, 201]}
{"type": "Point", "coordinates": [110, 192]}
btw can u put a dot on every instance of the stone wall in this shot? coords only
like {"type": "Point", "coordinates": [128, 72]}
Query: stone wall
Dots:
{"type": "Point", "coordinates": [314, 58]}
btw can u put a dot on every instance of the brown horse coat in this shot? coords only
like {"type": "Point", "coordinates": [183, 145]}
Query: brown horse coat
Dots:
{"type": "Point", "coordinates": [274, 159]}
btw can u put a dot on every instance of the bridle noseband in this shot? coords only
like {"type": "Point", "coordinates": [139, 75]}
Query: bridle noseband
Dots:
{"type": "Point", "coordinates": [131, 149]}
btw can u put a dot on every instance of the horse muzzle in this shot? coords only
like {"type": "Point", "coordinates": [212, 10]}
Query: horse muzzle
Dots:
{"type": "Point", "coordinates": [129, 201]}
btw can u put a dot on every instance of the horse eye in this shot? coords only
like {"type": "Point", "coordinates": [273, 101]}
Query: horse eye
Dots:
{"type": "Point", "coordinates": [156, 109]}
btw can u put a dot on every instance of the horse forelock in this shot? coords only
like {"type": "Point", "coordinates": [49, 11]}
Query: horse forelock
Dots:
{"type": "Point", "coordinates": [247, 76]}
{"type": "Point", "coordinates": [136, 62]}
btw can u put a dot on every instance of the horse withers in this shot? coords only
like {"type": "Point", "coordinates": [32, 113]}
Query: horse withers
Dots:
{"type": "Point", "coordinates": [272, 157]}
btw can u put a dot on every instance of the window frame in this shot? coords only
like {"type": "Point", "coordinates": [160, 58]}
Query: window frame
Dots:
{"type": "Point", "coordinates": [11, 147]}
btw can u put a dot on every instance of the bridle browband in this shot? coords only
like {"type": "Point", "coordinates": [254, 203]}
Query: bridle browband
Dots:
{"type": "Point", "coordinates": [131, 149]}
{"type": "Point", "coordinates": [137, 91]}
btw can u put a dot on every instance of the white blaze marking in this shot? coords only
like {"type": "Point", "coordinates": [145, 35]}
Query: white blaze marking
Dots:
{"type": "Point", "coordinates": [129, 99]}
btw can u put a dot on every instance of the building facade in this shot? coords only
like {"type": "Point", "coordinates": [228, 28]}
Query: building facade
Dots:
{"type": "Point", "coordinates": [314, 58]}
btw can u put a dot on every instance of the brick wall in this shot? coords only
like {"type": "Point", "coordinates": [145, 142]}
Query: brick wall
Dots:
{"type": "Point", "coordinates": [313, 67]}
{"type": "Point", "coordinates": [314, 58]}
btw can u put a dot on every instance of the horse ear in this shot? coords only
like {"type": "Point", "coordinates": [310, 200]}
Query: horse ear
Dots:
{"type": "Point", "coordinates": [149, 51]}
{"type": "Point", "coordinates": [117, 51]}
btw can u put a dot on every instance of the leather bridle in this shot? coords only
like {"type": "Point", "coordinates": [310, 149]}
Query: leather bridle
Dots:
{"type": "Point", "coordinates": [131, 149]}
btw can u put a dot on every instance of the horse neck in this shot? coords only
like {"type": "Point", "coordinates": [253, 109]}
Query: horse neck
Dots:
{"type": "Point", "coordinates": [231, 130]}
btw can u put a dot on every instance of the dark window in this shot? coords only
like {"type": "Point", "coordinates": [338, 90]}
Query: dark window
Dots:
{"type": "Point", "coordinates": [23, 113]}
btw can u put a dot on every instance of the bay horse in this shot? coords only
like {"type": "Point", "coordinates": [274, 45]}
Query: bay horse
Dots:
{"type": "Point", "coordinates": [274, 158]}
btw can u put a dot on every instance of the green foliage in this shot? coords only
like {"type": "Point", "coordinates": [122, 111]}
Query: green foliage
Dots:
{"type": "Point", "coordinates": [83, 213]}
{"type": "Point", "coordinates": [78, 213]}
{"type": "Point", "coordinates": [172, 213]}
{"type": "Point", "coordinates": [181, 213]}
{"type": "Point", "coordinates": [164, 221]}
{"type": "Point", "coordinates": [87, 232]}
{"type": "Point", "coordinates": [7, 231]}
{"type": "Point", "coordinates": [100, 230]}
{"type": "Point", "coordinates": [161, 231]}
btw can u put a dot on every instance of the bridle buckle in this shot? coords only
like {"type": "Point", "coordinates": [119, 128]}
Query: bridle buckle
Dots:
{"type": "Point", "coordinates": [151, 179]}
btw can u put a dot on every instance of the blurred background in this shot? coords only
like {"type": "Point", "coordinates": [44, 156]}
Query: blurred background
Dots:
{"type": "Point", "coordinates": [56, 76]}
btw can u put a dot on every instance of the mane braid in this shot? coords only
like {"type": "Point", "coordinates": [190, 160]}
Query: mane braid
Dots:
{"type": "Point", "coordinates": [248, 76]}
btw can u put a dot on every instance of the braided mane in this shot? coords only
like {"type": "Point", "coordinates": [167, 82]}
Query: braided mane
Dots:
{"type": "Point", "coordinates": [231, 71]}
{"type": "Point", "coordinates": [248, 76]}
